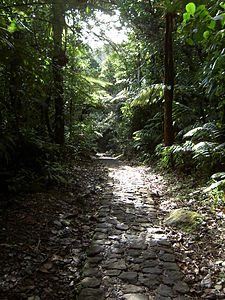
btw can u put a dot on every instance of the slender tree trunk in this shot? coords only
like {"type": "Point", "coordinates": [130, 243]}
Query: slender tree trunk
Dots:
{"type": "Point", "coordinates": [168, 81]}
{"type": "Point", "coordinates": [58, 25]}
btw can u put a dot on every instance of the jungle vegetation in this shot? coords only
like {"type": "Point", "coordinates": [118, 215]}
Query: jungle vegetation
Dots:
{"type": "Point", "coordinates": [158, 94]}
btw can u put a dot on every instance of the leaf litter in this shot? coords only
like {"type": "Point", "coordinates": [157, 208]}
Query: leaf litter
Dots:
{"type": "Point", "coordinates": [44, 237]}
{"type": "Point", "coordinates": [200, 252]}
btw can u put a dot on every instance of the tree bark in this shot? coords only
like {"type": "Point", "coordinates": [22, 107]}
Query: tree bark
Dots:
{"type": "Point", "coordinates": [168, 81]}
{"type": "Point", "coordinates": [58, 25]}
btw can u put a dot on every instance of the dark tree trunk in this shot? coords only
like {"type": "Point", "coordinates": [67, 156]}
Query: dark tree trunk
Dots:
{"type": "Point", "coordinates": [59, 54]}
{"type": "Point", "coordinates": [139, 75]}
{"type": "Point", "coordinates": [168, 81]}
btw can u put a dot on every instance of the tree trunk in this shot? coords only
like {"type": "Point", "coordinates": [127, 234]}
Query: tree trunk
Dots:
{"type": "Point", "coordinates": [168, 81]}
{"type": "Point", "coordinates": [58, 25]}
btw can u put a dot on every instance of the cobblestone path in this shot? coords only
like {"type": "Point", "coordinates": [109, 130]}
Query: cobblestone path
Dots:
{"type": "Point", "coordinates": [130, 256]}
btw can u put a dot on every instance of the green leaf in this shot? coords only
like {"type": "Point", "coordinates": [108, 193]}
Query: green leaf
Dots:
{"type": "Point", "coordinates": [13, 26]}
{"type": "Point", "coordinates": [190, 42]}
{"type": "Point", "coordinates": [212, 25]}
{"type": "Point", "coordinates": [186, 17]}
{"type": "Point", "coordinates": [206, 34]}
{"type": "Point", "coordinates": [191, 8]}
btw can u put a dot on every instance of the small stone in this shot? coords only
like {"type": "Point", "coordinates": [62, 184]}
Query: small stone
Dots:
{"type": "Point", "coordinates": [135, 297]}
{"type": "Point", "coordinates": [112, 273]}
{"type": "Point", "coordinates": [99, 236]}
{"type": "Point", "coordinates": [170, 266]}
{"type": "Point", "coordinates": [165, 290]}
{"type": "Point", "coordinates": [34, 298]}
{"type": "Point", "coordinates": [94, 250]}
{"type": "Point", "coordinates": [91, 294]}
{"type": "Point", "coordinates": [133, 252]}
{"type": "Point", "coordinates": [168, 257]}
{"type": "Point", "coordinates": [91, 272]}
{"type": "Point", "coordinates": [181, 287]}
{"type": "Point", "coordinates": [149, 280]}
{"type": "Point", "coordinates": [122, 226]}
{"type": "Point", "coordinates": [149, 263]}
{"type": "Point", "coordinates": [159, 297]}
{"type": "Point", "coordinates": [90, 282]}
{"type": "Point", "coordinates": [171, 277]}
{"type": "Point", "coordinates": [131, 289]}
{"type": "Point", "coordinates": [155, 270]}
{"type": "Point", "coordinates": [118, 265]}
{"type": "Point", "coordinates": [140, 245]}
{"type": "Point", "coordinates": [130, 277]}
{"type": "Point", "coordinates": [94, 260]}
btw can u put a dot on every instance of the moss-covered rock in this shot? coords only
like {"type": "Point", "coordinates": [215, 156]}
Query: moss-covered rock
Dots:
{"type": "Point", "coordinates": [184, 218]}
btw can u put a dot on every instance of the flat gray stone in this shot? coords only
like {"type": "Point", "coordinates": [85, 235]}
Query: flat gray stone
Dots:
{"type": "Point", "coordinates": [122, 226]}
{"type": "Point", "coordinates": [91, 272]}
{"type": "Point", "coordinates": [151, 280]}
{"type": "Point", "coordinates": [118, 265]}
{"type": "Point", "coordinates": [181, 287]}
{"type": "Point", "coordinates": [165, 290]}
{"type": "Point", "coordinates": [94, 260]}
{"type": "Point", "coordinates": [135, 297]}
{"type": "Point", "coordinates": [132, 289]}
{"type": "Point", "coordinates": [130, 277]}
{"type": "Point", "coordinates": [154, 270]}
{"type": "Point", "coordinates": [158, 297]}
{"type": "Point", "coordinates": [170, 266]}
{"type": "Point", "coordinates": [149, 263]}
{"type": "Point", "coordinates": [133, 253]}
{"type": "Point", "coordinates": [94, 250]}
{"type": "Point", "coordinates": [171, 277]}
{"type": "Point", "coordinates": [139, 245]}
{"type": "Point", "coordinates": [168, 257]}
{"type": "Point", "coordinates": [100, 236]}
{"type": "Point", "coordinates": [91, 294]}
{"type": "Point", "coordinates": [112, 273]}
{"type": "Point", "coordinates": [102, 230]}
{"type": "Point", "coordinates": [90, 282]}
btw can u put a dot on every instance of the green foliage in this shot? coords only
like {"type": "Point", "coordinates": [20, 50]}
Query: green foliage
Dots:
{"type": "Point", "coordinates": [202, 151]}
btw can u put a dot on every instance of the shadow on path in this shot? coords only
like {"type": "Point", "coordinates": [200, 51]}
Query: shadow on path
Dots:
{"type": "Point", "coordinates": [130, 256]}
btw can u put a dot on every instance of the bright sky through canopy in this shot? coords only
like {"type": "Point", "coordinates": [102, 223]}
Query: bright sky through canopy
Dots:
{"type": "Point", "coordinates": [103, 29]}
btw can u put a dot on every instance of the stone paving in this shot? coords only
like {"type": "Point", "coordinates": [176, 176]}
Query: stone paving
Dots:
{"type": "Point", "coordinates": [130, 257]}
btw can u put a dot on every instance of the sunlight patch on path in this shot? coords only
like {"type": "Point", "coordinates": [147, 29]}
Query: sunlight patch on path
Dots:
{"type": "Point", "coordinates": [130, 254]}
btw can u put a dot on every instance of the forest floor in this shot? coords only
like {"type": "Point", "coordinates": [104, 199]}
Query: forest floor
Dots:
{"type": "Point", "coordinates": [101, 236]}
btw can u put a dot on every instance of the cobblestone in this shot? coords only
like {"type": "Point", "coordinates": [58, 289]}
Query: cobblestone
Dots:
{"type": "Point", "coordinates": [130, 256]}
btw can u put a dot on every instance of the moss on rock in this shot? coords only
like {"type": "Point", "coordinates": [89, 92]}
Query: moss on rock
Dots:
{"type": "Point", "coordinates": [183, 218]}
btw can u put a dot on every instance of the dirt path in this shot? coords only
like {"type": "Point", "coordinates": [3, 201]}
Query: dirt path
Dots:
{"type": "Point", "coordinates": [130, 256]}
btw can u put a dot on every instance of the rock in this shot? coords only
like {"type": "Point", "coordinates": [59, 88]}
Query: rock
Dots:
{"type": "Point", "coordinates": [133, 252]}
{"type": "Point", "coordinates": [149, 280]}
{"type": "Point", "coordinates": [94, 250]}
{"type": "Point", "coordinates": [140, 245]}
{"type": "Point", "coordinates": [122, 226]}
{"type": "Point", "coordinates": [91, 294]}
{"type": "Point", "coordinates": [181, 287]}
{"type": "Point", "coordinates": [135, 297]}
{"type": "Point", "coordinates": [155, 270]}
{"type": "Point", "coordinates": [183, 218]}
{"type": "Point", "coordinates": [90, 282]}
{"type": "Point", "coordinates": [91, 272]}
{"type": "Point", "coordinates": [149, 263]}
{"type": "Point", "coordinates": [168, 257]}
{"type": "Point", "coordinates": [112, 273]}
{"type": "Point", "coordinates": [118, 265]}
{"type": "Point", "coordinates": [171, 277]}
{"type": "Point", "coordinates": [130, 277]}
{"type": "Point", "coordinates": [132, 289]}
{"type": "Point", "coordinates": [165, 290]}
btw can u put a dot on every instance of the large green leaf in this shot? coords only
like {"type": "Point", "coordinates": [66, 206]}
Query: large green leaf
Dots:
{"type": "Point", "coordinates": [191, 8]}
